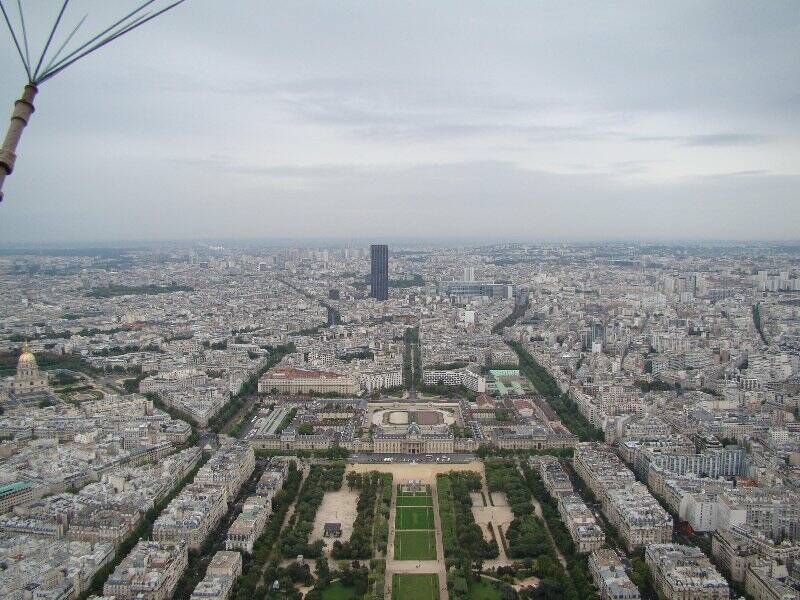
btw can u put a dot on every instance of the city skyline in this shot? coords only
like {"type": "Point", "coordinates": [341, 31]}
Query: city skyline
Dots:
{"type": "Point", "coordinates": [624, 418]}
{"type": "Point", "coordinates": [670, 122]}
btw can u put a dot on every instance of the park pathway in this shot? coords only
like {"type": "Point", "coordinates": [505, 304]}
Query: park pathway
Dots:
{"type": "Point", "coordinates": [502, 559]}
{"type": "Point", "coordinates": [537, 509]}
{"type": "Point", "coordinates": [390, 562]}
{"type": "Point", "coordinates": [288, 516]}
{"type": "Point", "coordinates": [441, 565]}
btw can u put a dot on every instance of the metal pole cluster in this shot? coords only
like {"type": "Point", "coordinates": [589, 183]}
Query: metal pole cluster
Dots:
{"type": "Point", "coordinates": [48, 64]}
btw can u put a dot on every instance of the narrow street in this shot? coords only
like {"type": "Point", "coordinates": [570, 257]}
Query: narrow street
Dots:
{"type": "Point", "coordinates": [242, 413]}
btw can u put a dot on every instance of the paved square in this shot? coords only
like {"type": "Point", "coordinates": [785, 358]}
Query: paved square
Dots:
{"type": "Point", "coordinates": [336, 507]}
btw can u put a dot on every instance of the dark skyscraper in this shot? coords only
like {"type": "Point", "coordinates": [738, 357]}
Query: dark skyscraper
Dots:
{"type": "Point", "coordinates": [380, 271]}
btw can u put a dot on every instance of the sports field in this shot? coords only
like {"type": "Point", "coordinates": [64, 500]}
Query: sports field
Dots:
{"type": "Point", "coordinates": [414, 517]}
{"type": "Point", "coordinates": [414, 545]}
{"type": "Point", "coordinates": [415, 587]}
{"type": "Point", "coordinates": [415, 500]}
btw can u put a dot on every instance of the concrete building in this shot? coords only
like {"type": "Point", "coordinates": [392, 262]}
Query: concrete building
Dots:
{"type": "Point", "coordinates": [609, 576]}
{"type": "Point", "coordinates": [581, 523]}
{"type": "Point", "coordinates": [290, 380]}
{"type": "Point", "coordinates": [14, 494]}
{"type": "Point", "coordinates": [684, 573]}
{"type": "Point", "coordinates": [638, 517]}
{"type": "Point", "coordinates": [249, 525]}
{"type": "Point", "coordinates": [628, 505]}
{"type": "Point", "coordinates": [229, 467]}
{"type": "Point", "coordinates": [28, 380]}
{"type": "Point", "coordinates": [220, 577]}
{"type": "Point", "coordinates": [151, 571]}
{"type": "Point", "coordinates": [379, 272]}
{"type": "Point", "coordinates": [769, 580]}
{"type": "Point", "coordinates": [191, 516]}
{"type": "Point", "coordinates": [413, 441]}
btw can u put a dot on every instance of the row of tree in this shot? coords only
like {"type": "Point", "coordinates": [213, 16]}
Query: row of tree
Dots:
{"type": "Point", "coordinates": [527, 535]}
{"type": "Point", "coordinates": [248, 584]}
{"type": "Point", "coordinates": [510, 320]}
{"type": "Point", "coordinates": [577, 567]}
{"type": "Point", "coordinates": [321, 479]}
{"type": "Point", "coordinates": [464, 537]}
{"type": "Point", "coordinates": [143, 530]}
{"type": "Point", "coordinates": [354, 580]}
{"type": "Point", "coordinates": [371, 525]}
{"type": "Point", "coordinates": [566, 409]}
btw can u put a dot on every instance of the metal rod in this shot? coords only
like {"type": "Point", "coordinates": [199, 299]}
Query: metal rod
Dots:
{"type": "Point", "coordinates": [140, 21]}
{"type": "Point", "coordinates": [64, 63]}
{"type": "Point", "coordinates": [50, 38]}
{"type": "Point", "coordinates": [100, 35]}
{"type": "Point", "coordinates": [67, 41]}
{"type": "Point", "coordinates": [24, 32]}
{"type": "Point", "coordinates": [16, 42]}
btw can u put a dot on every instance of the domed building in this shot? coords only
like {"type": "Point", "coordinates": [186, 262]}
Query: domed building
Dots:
{"type": "Point", "coordinates": [388, 440]}
{"type": "Point", "coordinates": [29, 386]}
{"type": "Point", "coordinates": [28, 379]}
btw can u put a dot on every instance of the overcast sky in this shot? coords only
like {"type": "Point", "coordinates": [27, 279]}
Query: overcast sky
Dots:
{"type": "Point", "coordinates": [508, 120]}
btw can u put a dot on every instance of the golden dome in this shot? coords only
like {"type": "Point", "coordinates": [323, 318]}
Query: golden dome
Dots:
{"type": "Point", "coordinates": [27, 357]}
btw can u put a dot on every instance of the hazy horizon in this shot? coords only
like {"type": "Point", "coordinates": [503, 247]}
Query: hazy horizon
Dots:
{"type": "Point", "coordinates": [502, 121]}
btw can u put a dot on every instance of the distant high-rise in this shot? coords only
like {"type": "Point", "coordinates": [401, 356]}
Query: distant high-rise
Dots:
{"type": "Point", "coordinates": [380, 271]}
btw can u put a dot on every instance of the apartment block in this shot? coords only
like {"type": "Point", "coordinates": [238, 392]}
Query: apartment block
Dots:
{"type": "Point", "coordinates": [150, 571]}
{"type": "Point", "coordinates": [610, 577]}
{"type": "Point", "coordinates": [230, 466]}
{"type": "Point", "coordinates": [684, 573]}
{"type": "Point", "coordinates": [249, 525]}
{"type": "Point", "coordinates": [220, 577]}
{"type": "Point", "coordinates": [192, 515]}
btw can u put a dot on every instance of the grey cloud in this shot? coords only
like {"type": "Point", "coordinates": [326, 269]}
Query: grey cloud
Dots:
{"type": "Point", "coordinates": [727, 139]}
{"type": "Point", "coordinates": [670, 119]}
{"type": "Point", "coordinates": [709, 139]}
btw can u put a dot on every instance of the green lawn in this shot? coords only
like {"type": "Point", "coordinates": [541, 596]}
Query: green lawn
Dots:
{"type": "Point", "coordinates": [414, 517]}
{"type": "Point", "coordinates": [414, 545]}
{"type": "Point", "coordinates": [415, 587]}
{"type": "Point", "coordinates": [336, 591]}
{"type": "Point", "coordinates": [415, 501]}
{"type": "Point", "coordinates": [483, 591]}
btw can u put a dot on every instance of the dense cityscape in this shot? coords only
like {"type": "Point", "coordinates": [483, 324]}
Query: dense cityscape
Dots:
{"type": "Point", "coordinates": [400, 300]}
{"type": "Point", "coordinates": [212, 421]}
